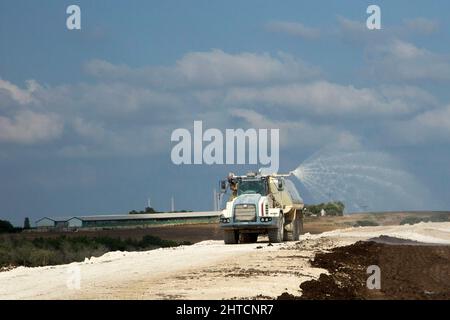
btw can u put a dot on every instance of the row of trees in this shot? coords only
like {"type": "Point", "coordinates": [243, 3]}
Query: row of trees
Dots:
{"type": "Point", "coordinates": [145, 211]}
{"type": "Point", "coordinates": [7, 227]}
{"type": "Point", "coordinates": [335, 208]}
{"type": "Point", "coordinates": [151, 210]}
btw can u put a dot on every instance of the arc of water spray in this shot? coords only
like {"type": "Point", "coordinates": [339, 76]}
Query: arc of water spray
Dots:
{"type": "Point", "coordinates": [356, 176]}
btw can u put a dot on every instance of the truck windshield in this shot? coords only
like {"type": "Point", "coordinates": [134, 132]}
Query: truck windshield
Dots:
{"type": "Point", "coordinates": [252, 186]}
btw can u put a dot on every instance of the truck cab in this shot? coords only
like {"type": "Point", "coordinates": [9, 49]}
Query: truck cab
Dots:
{"type": "Point", "coordinates": [261, 204]}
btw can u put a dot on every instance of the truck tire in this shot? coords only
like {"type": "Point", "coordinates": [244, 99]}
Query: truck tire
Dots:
{"type": "Point", "coordinates": [295, 228]}
{"type": "Point", "coordinates": [249, 237]}
{"type": "Point", "coordinates": [292, 232]}
{"type": "Point", "coordinates": [230, 236]}
{"type": "Point", "coordinates": [276, 235]}
{"type": "Point", "coordinates": [300, 224]}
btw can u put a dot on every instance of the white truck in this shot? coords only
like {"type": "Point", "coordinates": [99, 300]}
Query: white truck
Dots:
{"type": "Point", "coordinates": [261, 204]}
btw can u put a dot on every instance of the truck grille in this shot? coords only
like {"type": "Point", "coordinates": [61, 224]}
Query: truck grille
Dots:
{"type": "Point", "coordinates": [245, 212]}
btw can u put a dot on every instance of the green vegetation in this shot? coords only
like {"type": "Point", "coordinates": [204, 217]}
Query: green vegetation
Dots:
{"type": "Point", "coordinates": [335, 208]}
{"type": "Point", "coordinates": [366, 223]}
{"type": "Point", "coordinates": [441, 217]}
{"type": "Point", "coordinates": [7, 227]}
{"type": "Point", "coordinates": [151, 210]}
{"type": "Point", "coordinates": [147, 210]}
{"type": "Point", "coordinates": [16, 251]}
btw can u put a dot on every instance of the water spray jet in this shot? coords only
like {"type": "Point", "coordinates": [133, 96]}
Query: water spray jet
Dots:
{"type": "Point", "coordinates": [362, 180]}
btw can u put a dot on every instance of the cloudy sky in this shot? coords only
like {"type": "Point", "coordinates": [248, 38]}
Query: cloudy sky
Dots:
{"type": "Point", "coordinates": [86, 116]}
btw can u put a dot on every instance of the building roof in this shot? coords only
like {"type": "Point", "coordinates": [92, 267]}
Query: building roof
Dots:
{"type": "Point", "coordinates": [173, 215]}
{"type": "Point", "coordinates": [55, 219]}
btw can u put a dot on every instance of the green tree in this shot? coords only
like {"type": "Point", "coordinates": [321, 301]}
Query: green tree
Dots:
{"type": "Point", "coordinates": [6, 226]}
{"type": "Point", "coordinates": [335, 208]}
{"type": "Point", "coordinates": [147, 210]}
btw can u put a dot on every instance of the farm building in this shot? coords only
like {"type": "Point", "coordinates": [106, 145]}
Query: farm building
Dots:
{"type": "Point", "coordinates": [102, 221]}
{"type": "Point", "coordinates": [52, 222]}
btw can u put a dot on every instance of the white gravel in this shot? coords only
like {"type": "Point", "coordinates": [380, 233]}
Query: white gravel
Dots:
{"type": "Point", "coordinates": [206, 270]}
{"type": "Point", "coordinates": [427, 232]}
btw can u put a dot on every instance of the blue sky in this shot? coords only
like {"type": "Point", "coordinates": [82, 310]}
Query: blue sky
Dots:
{"type": "Point", "coordinates": [86, 116]}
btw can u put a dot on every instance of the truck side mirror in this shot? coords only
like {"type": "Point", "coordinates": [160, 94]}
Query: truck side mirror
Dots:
{"type": "Point", "coordinates": [223, 186]}
{"type": "Point", "coordinates": [280, 184]}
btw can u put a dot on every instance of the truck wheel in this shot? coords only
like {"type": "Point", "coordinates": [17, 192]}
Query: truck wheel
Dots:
{"type": "Point", "coordinates": [295, 228]}
{"type": "Point", "coordinates": [292, 233]}
{"type": "Point", "coordinates": [230, 236]}
{"type": "Point", "coordinates": [249, 237]}
{"type": "Point", "coordinates": [300, 225]}
{"type": "Point", "coordinates": [276, 235]}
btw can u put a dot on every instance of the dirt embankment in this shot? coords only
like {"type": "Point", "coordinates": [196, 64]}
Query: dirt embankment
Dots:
{"type": "Point", "coordinates": [188, 232]}
{"type": "Point", "coordinates": [409, 270]}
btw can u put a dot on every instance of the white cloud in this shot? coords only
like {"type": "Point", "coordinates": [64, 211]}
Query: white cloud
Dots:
{"type": "Point", "coordinates": [211, 69]}
{"type": "Point", "coordinates": [329, 99]}
{"type": "Point", "coordinates": [421, 25]}
{"type": "Point", "coordinates": [21, 96]}
{"type": "Point", "coordinates": [130, 111]}
{"type": "Point", "coordinates": [389, 57]}
{"type": "Point", "coordinates": [404, 61]}
{"type": "Point", "coordinates": [88, 129]}
{"type": "Point", "coordinates": [299, 133]}
{"type": "Point", "coordinates": [125, 142]}
{"type": "Point", "coordinates": [30, 127]}
{"type": "Point", "coordinates": [121, 98]}
{"type": "Point", "coordinates": [294, 29]}
{"type": "Point", "coordinates": [103, 119]}
{"type": "Point", "coordinates": [429, 126]}
{"type": "Point", "coordinates": [111, 100]}
{"type": "Point", "coordinates": [220, 68]}
{"type": "Point", "coordinates": [355, 31]}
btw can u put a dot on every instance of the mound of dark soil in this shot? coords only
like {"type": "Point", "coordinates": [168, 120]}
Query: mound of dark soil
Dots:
{"type": "Point", "coordinates": [408, 271]}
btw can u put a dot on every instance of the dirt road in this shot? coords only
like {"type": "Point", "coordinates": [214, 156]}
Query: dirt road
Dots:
{"type": "Point", "coordinates": [206, 270]}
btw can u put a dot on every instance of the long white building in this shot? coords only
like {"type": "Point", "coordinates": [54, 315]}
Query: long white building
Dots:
{"type": "Point", "coordinates": [99, 221]}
